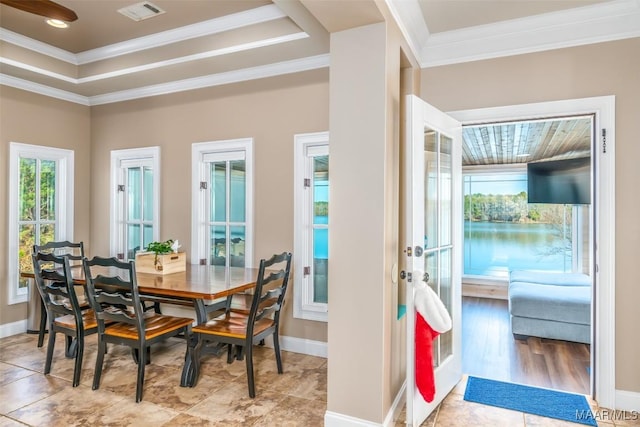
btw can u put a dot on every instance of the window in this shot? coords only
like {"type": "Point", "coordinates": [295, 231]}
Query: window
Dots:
{"type": "Point", "coordinates": [503, 232]}
{"type": "Point", "coordinates": [311, 217]}
{"type": "Point", "coordinates": [40, 206]}
{"type": "Point", "coordinates": [222, 212]}
{"type": "Point", "coordinates": [135, 200]}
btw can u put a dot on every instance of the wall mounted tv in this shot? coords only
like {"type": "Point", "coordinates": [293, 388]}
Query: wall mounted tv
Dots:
{"type": "Point", "coordinates": [560, 181]}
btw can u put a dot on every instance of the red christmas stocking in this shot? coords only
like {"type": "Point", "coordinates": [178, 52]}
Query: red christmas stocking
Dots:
{"type": "Point", "coordinates": [424, 337]}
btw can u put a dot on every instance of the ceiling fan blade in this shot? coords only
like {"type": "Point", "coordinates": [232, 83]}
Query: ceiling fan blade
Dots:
{"type": "Point", "coordinates": [45, 8]}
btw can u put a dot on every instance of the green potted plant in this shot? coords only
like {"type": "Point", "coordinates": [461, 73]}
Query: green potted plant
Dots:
{"type": "Point", "coordinates": [158, 248]}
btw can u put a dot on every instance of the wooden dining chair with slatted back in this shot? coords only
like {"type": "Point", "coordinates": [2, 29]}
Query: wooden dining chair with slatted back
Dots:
{"type": "Point", "coordinates": [75, 252]}
{"type": "Point", "coordinates": [58, 292]}
{"type": "Point", "coordinates": [243, 331]}
{"type": "Point", "coordinates": [113, 293]}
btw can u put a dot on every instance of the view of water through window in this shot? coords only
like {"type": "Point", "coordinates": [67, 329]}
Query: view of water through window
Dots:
{"type": "Point", "coordinates": [502, 232]}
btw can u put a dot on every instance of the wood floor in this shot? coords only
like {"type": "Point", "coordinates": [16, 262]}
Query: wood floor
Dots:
{"type": "Point", "coordinates": [490, 351]}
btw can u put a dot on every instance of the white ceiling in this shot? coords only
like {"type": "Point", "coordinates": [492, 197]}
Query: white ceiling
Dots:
{"type": "Point", "coordinates": [105, 57]}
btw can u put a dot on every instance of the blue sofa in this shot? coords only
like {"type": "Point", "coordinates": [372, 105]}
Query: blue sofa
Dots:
{"type": "Point", "coordinates": [550, 305]}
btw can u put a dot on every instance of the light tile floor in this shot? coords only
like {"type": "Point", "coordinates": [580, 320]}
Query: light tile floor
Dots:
{"type": "Point", "coordinates": [295, 398]}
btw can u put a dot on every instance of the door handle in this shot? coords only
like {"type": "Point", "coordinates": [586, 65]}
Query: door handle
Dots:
{"type": "Point", "coordinates": [418, 251]}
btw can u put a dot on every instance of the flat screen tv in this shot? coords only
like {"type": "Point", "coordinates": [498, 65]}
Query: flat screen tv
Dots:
{"type": "Point", "coordinates": [566, 182]}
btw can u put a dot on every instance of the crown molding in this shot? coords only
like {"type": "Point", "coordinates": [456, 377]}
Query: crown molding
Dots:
{"type": "Point", "coordinates": [198, 56]}
{"type": "Point", "coordinates": [603, 22]}
{"type": "Point", "coordinates": [246, 74]}
{"type": "Point", "coordinates": [201, 29]}
{"type": "Point", "coordinates": [37, 70]}
{"type": "Point", "coordinates": [270, 70]}
{"type": "Point", "coordinates": [43, 89]}
{"type": "Point", "coordinates": [408, 15]}
{"type": "Point", "coordinates": [37, 46]}
{"type": "Point", "coordinates": [159, 64]}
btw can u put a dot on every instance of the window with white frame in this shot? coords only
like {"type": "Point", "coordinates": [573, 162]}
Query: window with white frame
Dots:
{"type": "Point", "coordinates": [40, 206]}
{"type": "Point", "coordinates": [222, 211]}
{"type": "Point", "coordinates": [311, 218]}
{"type": "Point", "coordinates": [135, 200]}
{"type": "Point", "coordinates": [503, 232]}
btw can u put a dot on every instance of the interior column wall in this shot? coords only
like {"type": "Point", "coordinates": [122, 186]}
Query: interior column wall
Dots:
{"type": "Point", "coordinates": [358, 163]}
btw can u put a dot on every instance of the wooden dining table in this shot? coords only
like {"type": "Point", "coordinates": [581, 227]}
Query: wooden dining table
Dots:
{"type": "Point", "coordinates": [204, 287]}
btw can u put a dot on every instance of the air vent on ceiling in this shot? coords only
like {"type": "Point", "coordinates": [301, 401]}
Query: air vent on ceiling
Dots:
{"type": "Point", "coordinates": [140, 11]}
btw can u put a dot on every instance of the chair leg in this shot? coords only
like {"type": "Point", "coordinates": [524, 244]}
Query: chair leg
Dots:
{"type": "Point", "coordinates": [276, 348]}
{"type": "Point", "coordinates": [50, 346]}
{"type": "Point", "coordinates": [102, 348]}
{"type": "Point", "coordinates": [43, 324]}
{"type": "Point", "coordinates": [77, 370]}
{"type": "Point", "coordinates": [141, 365]}
{"type": "Point", "coordinates": [250, 379]}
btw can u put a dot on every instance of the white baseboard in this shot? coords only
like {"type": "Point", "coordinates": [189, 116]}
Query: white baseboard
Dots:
{"type": "Point", "coordinates": [334, 419]}
{"type": "Point", "coordinates": [396, 406]}
{"type": "Point", "coordinates": [628, 401]}
{"type": "Point", "coordinates": [301, 345]}
{"type": "Point", "coordinates": [14, 328]}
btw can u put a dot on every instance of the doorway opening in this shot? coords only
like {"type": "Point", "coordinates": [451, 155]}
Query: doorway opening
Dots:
{"type": "Point", "coordinates": [516, 220]}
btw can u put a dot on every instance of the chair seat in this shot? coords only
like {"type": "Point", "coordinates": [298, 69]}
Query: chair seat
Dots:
{"type": "Point", "coordinates": [155, 325]}
{"type": "Point", "coordinates": [68, 321]}
{"type": "Point", "coordinates": [232, 325]}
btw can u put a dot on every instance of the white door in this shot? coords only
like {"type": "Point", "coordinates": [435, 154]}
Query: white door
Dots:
{"type": "Point", "coordinates": [433, 194]}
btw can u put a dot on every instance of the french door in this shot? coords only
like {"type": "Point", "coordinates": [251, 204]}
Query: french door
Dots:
{"type": "Point", "coordinates": [433, 194]}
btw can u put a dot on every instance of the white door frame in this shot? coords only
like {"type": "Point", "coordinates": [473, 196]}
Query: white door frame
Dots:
{"type": "Point", "coordinates": [420, 114]}
{"type": "Point", "coordinates": [603, 317]}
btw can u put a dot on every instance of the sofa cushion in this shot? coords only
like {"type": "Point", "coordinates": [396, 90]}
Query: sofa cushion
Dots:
{"type": "Point", "coordinates": [551, 302]}
{"type": "Point", "coordinates": [546, 278]}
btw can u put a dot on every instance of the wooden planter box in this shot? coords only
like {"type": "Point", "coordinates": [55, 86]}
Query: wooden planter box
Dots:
{"type": "Point", "coordinates": [167, 263]}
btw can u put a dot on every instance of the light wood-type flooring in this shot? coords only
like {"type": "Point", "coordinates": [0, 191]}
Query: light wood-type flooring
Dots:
{"type": "Point", "coordinates": [490, 351]}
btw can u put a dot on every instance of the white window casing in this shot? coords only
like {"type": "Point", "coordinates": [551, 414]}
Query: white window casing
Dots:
{"type": "Point", "coordinates": [64, 183]}
{"type": "Point", "coordinates": [202, 155]}
{"type": "Point", "coordinates": [120, 161]}
{"type": "Point", "coordinates": [306, 147]}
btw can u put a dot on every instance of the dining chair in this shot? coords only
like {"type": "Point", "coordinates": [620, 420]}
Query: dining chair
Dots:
{"type": "Point", "coordinates": [58, 292]}
{"type": "Point", "coordinates": [113, 293]}
{"type": "Point", "coordinates": [243, 330]}
{"type": "Point", "coordinates": [75, 252]}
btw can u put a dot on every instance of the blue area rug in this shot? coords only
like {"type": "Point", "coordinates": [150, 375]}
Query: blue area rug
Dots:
{"type": "Point", "coordinates": [532, 400]}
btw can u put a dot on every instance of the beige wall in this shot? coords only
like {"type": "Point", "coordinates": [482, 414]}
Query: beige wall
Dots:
{"type": "Point", "coordinates": [364, 156]}
{"type": "Point", "coordinates": [269, 110]}
{"type": "Point", "coordinates": [29, 118]}
{"type": "Point", "coordinates": [597, 70]}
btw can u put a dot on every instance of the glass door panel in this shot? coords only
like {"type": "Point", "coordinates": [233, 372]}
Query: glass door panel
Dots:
{"type": "Point", "coordinates": [446, 296]}
{"type": "Point", "coordinates": [431, 189]}
{"type": "Point", "coordinates": [446, 210]}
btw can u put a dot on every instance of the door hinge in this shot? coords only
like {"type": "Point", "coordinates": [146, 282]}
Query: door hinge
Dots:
{"type": "Point", "coordinates": [604, 141]}
{"type": "Point", "coordinates": [306, 271]}
{"type": "Point", "coordinates": [203, 261]}
{"type": "Point", "coordinates": [203, 185]}
{"type": "Point", "coordinates": [120, 256]}
{"type": "Point", "coordinates": [307, 183]}
{"type": "Point", "coordinates": [121, 188]}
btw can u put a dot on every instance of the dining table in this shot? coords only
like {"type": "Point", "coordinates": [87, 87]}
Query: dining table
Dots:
{"type": "Point", "coordinates": [206, 288]}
